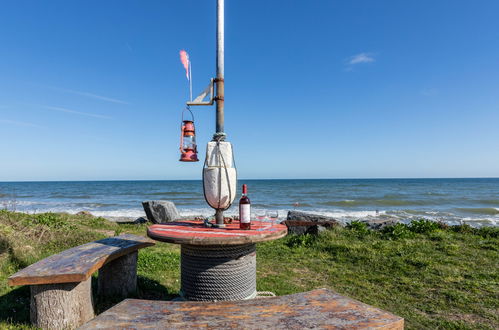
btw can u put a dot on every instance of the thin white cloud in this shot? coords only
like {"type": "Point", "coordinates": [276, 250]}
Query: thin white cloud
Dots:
{"type": "Point", "coordinates": [361, 58]}
{"type": "Point", "coordinates": [75, 112]}
{"type": "Point", "coordinates": [18, 123]}
{"type": "Point", "coordinates": [87, 94]}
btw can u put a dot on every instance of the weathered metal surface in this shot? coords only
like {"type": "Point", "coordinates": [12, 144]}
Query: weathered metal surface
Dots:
{"type": "Point", "coordinates": [78, 264]}
{"type": "Point", "coordinates": [195, 233]}
{"type": "Point", "coordinates": [318, 309]}
{"type": "Point", "coordinates": [220, 84]}
{"type": "Point", "coordinates": [220, 90]}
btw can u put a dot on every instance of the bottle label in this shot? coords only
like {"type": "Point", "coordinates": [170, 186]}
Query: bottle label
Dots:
{"type": "Point", "coordinates": [244, 213]}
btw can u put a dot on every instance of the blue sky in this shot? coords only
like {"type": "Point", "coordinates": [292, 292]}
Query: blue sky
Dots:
{"type": "Point", "coordinates": [93, 90]}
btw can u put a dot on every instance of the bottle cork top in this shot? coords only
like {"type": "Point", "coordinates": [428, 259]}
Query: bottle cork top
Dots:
{"type": "Point", "coordinates": [245, 189]}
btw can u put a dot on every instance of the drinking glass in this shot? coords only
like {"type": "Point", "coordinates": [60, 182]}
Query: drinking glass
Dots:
{"type": "Point", "coordinates": [273, 216]}
{"type": "Point", "coordinates": [261, 215]}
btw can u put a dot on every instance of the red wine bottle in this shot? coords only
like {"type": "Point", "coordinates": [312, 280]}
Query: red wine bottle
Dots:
{"type": "Point", "coordinates": [244, 210]}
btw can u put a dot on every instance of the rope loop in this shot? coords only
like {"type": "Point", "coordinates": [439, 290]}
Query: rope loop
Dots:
{"type": "Point", "coordinates": [219, 136]}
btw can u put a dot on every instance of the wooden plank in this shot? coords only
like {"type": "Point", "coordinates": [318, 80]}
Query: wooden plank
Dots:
{"type": "Point", "coordinates": [315, 309]}
{"type": "Point", "coordinates": [195, 233]}
{"type": "Point", "coordinates": [77, 264]}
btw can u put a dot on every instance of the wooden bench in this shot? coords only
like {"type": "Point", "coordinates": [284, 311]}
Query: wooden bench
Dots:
{"type": "Point", "coordinates": [314, 309]}
{"type": "Point", "coordinates": [61, 295]}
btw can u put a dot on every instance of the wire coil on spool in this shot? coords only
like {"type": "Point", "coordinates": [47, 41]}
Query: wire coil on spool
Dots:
{"type": "Point", "coordinates": [212, 273]}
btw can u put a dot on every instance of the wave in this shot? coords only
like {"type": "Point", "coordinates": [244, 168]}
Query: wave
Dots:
{"type": "Point", "coordinates": [200, 198]}
{"type": "Point", "coordinates": [479, 210]}
{"type": "Point", "coordinates": [15, 196]}
{"type": "Point", "coordinates": [94, 205]}
{"type": "Point", "coordinates": [432, 193]}
{"type": "Point", "coordinates": [128, 213]}
{"type": "Point", "coordinates": [494, 202]}
{"type": "Point", "coordinates": [167, 193]}
{"type": "Point", "coordinates": [70, 197]}
{"type": "Point", "coordinates": [378, 202]}
{"type": "Point", "coordinates": [346, 202]}
{"type": "Point", "coordinates": [340, 215]}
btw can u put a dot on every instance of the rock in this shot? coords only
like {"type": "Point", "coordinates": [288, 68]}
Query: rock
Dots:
{"type": "Point", "coordinates": [126, 219]}
{"type": "Point", "coordinates": [316, 229]}
{"type": "Point", "coordinates": [86, 213]}
{"type": "Point", "coordinates": [302, 216]}
{"type": "Point", "coordinates": [140, 220]}
{"type": "Point", "coordinates": [377, 224]}
{"type": "Point", "coordinates": [307, 223]}
{"type": "Point", "coordinates": [160, 211]}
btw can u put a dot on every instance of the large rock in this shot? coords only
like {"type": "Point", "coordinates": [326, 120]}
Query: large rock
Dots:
{"type": "Point", "coordinates": [160, 211]}
{"type": "Point", "coordinates": [307, 223]}
{"type": "Point", "coordinates": [380, 223]}
{"type": "Point", "coordinates": [127, 220]}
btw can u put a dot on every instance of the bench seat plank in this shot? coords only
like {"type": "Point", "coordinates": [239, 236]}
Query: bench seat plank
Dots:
{"type": "Point", "coordinates": [320, 308]}
{"type": "Point", "coordinates": [77, 264]}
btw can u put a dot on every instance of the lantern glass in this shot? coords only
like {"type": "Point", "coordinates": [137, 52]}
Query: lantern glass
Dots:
{"type": "Point", "coordinates": [189, 143]}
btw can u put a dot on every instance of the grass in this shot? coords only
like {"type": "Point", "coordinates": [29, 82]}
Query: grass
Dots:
{"type": "Point", "coordinates": [434, 276]}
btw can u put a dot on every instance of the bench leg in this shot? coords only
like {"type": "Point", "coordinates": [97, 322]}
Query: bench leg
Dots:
{"type": "Point", "coordinates": [119, 277]}
{"type": "Point", "coordinates": [61, 306]}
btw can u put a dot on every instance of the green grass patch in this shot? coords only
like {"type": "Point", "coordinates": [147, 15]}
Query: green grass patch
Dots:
{"type": "Point", "coordinates": [435, 276]}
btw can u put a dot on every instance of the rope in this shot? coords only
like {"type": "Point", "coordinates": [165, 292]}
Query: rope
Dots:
{"type": "Point", "coordinates": [264, 294]}
{"type": "Point", "coordinates": [211, 273]}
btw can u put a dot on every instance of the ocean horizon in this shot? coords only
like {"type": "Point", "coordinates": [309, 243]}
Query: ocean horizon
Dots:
{"type": "Point", "coordinates": [451, 200]}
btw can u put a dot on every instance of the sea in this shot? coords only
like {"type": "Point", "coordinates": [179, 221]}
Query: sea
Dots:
{"type": "Point", "coordinates": [453, 201]}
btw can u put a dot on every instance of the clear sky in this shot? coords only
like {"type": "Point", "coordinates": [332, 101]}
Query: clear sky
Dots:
{"type": "Point", "coordinates": [93, 90]}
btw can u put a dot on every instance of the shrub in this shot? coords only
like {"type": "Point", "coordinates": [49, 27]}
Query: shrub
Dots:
{"type": "Point", "coordinates": [49, 219]}
{"type": "Point", "coordinates": [462, 229]}
{"type": "Point", "coordinates": [397, 231]}
{"type": "Point", "coordinates": [96, 222]}
{"type": "Point", "coordinates": [423, 226]}
{"type": "Point", "coordinates": [359, 228]}
{"type": "Point", "coordinates": [488, 232]}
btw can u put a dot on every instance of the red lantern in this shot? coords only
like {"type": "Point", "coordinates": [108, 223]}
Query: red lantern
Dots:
{"type": "Point", "coordinates": [188, 148]}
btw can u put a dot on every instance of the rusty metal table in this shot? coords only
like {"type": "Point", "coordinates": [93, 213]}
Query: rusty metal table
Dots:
{"type": "Point", "coordinates": [217, 263]}
{"type": "Point", "coordinates": [317, 309]}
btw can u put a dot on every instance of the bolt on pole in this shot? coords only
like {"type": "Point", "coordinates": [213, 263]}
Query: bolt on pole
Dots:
{"type": "Point", "coordinates": [219, 80]}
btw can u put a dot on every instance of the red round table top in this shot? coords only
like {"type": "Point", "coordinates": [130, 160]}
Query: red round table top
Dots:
{"type": "Point", "coordinates": [195, 233]}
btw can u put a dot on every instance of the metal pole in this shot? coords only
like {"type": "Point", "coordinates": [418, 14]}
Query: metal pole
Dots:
{"type": "Point", "coordinates": [220, 67]}
{"type": "Point", "coordinates": [219, 135]}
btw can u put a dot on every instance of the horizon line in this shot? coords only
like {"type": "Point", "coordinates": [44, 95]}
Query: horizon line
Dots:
{"type": "Point", "coordinates": [253, 179]}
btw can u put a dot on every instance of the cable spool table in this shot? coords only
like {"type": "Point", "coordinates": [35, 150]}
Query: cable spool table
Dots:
{"type": "Point", "coordinates": [217, 263]}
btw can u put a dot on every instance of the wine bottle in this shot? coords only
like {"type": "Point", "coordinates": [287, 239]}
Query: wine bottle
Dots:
{"type": "Point", "coordinates": [244, 210]}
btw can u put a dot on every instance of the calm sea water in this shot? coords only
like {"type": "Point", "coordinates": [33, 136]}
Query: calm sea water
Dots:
{"type": "Point", "coordinates": [475, 201]}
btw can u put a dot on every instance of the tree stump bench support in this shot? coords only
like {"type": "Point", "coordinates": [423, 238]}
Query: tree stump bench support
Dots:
{"type": "Point", "coordinates": [317, 309]}
{"type": "Point", "coordinates": [61, 293]}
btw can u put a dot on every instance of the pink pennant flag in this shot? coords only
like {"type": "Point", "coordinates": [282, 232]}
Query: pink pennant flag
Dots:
{"type": "Point", "coordinates": [184, 58]}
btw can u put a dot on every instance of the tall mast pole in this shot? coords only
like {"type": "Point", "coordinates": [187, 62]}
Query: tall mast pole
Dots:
{"type": "Point", "coordinates": [220, 68]}
{"type": "Point", "coordinates": [219, 81]}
